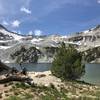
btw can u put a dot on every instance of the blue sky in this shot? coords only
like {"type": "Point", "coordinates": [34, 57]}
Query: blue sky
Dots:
{"type": "Point", "coordinates": [49, 16]}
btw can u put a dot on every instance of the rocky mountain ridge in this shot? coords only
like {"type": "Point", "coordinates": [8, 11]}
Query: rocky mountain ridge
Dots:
{"type": "Point", "coordinates": [11, 42]}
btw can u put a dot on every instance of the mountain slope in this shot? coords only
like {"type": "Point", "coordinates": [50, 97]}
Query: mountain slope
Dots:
{"type": "Point", "coordinates": [11, 42]}
{"type": "Point", "coordinates": [7, 35]}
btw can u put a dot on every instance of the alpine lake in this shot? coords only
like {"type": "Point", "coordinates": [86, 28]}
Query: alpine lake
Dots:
{"type": "Point", "coordinates": [92, 71]}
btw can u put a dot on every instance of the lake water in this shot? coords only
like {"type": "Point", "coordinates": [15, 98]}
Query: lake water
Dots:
{"type": "Point", "coordinates": [92, 74]}
{"type": "Point", "coordinates": [40, 67]}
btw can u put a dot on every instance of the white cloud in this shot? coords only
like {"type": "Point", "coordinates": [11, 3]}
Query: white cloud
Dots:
{"type": "Point", "coordinates": [38, 32]}
{"type": "Point", "coordinates": [23, 9]}
{"type": "Point", "coordinates": [19, 32]}
{"type": "Point", "coordinates": [30, 33]}
{"type": "Point", "coordinates": [98, 1]}
{"type": "Point", "coordinates": [15, 23]}
{"type": "Point", "coordinates": [5, 23]}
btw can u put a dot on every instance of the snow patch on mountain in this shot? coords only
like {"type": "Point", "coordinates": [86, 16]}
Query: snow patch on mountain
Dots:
{"type": "Point", "coordinates": [15, 36]}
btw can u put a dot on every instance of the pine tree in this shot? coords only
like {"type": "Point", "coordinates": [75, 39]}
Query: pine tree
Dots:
{"type": "Point", "coordinates": [67, 63]}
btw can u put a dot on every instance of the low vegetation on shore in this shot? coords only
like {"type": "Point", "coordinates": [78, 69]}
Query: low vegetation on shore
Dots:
{"type": "Point", "coordinates": [71, 91]}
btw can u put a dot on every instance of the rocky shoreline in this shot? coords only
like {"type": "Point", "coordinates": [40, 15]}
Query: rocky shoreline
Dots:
{"type": "Point", "coordinates": [45, 80]}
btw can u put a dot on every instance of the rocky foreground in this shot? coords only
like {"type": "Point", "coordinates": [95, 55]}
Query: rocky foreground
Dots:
{"type": "Point", "coordinates": [48, 87]}
{"type": "Point", "coordinates": [74, 89]}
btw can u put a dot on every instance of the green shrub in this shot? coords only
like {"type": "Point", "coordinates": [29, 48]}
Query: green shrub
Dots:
{"type": "Point", "coordinates": [22, 85]}
{"type": "Point", "coordinates": [14, 98]}
{"type": "Point", "coordinates": [67, 63]}
{"type": "Point", "coordinates": [28, 96]}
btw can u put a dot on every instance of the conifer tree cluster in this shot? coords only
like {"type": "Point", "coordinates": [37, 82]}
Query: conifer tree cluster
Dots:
{"type": "Point", "coordinates": [67, 63]}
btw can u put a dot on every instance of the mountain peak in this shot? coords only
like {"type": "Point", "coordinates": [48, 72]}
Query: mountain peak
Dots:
{"type": "Point", "coordinates": [97, 27]}
{"type": "Point", "coordinates": [2, 27]}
